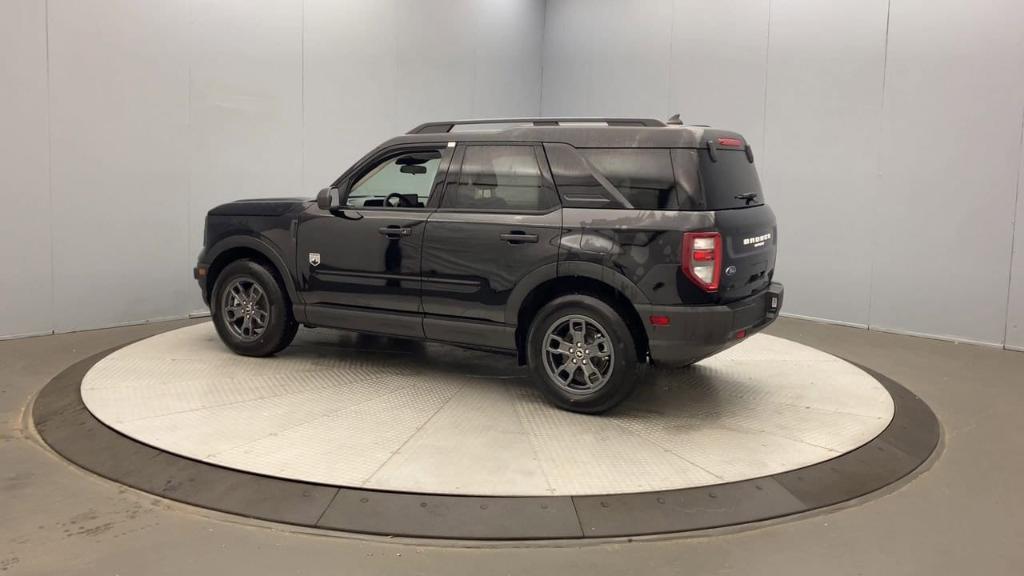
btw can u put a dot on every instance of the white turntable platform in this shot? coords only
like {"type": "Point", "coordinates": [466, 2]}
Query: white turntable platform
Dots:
{"type": "Point", "coordinates": [385, 414]}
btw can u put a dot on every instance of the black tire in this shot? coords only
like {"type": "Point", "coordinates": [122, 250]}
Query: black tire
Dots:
{"type": "Point", "coordinates": [279, 327]}
{"type": "Point", "coordinates": [626, 370]}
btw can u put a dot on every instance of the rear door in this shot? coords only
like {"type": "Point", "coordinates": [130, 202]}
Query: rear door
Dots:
{"type": "Point", "coordinates": [499, 220]}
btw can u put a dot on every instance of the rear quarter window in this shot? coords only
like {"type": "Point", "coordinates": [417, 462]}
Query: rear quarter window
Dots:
{"type": "Point", "coordinates": [642, 175]}
{"type": "Point", "coordinates": [642, 178]}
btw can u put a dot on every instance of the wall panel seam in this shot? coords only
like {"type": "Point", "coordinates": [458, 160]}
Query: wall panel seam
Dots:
{"type": "Point", "coordinates": [190, 160]}
{"type": "Point", "coordinates": [1013, 232]}
{"type": "Point", "coordinates": [764, 93]}
{"type": "Point", "coordinates": [49, 169]}
{"type": "Point", "coordinates": [671, 53]}
{"type": "Point", "coordinates": [302, 95]}
{"type": "Point", "coordinates": [542, 52]}
{"type": "Point", "coordinates": [878, 157]}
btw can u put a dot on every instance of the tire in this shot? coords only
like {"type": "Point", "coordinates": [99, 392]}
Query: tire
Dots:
{"type": "Point", "coordinates": [575, 387]}
{"type": "Point", "coordinates": [235, 306]}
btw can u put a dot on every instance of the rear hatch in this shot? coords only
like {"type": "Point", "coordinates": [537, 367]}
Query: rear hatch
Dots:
{"type": "Point", "coordinates": [732, 190]}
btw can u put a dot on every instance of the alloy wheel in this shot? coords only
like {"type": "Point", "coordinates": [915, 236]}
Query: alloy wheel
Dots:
{"type": "Point", "coordinates": [578, 354]}
{"type": "Point", "coordinates": [245, 309]}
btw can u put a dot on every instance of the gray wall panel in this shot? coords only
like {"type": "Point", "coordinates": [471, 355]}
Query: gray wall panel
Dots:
{"type": "Point", "coordinates": [508, 47]}
{"type": "Point", "coordinates": [119, 125]}
{"type": "Point", "coordinates": [892, 215]}
{"type": "Point", "coordinates": [135, 118]}
{"type": "Point", "coordinates": [949, 161]}
{"type": "Point", "coordinates": [435, 61]}
{"type": "Point", "coordinates": [1015, 314]}
{"type": "Point", "coordinates": [245, 109]}
{"type": "Point", "coordinates": [719, 53]}
{"type": "Point", "coordinates": [376, 69]}
{"type": "Point", "coordinates": [25, 283]}
{"type": "Point", "coordinates": [161, 110]}
{"type": "Point", "coordinates": [820, 162]}
{"type": "Point", "coordinates": [349, 81]}
{"type": "Point", "coordinates": [607, 58]}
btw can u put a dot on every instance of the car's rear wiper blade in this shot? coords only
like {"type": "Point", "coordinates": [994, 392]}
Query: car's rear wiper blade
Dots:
{"type": "Point", "coordinates": [749, 196]}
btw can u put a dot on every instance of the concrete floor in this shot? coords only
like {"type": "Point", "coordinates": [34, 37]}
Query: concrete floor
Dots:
{"type": "Point", "coordinates": [964, 514]}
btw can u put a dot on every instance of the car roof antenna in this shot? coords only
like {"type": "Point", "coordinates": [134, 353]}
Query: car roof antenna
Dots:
{"type": "Point", "coordinates": [674, 120]}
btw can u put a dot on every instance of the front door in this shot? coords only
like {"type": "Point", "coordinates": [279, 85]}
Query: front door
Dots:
{"type": "Point", "coordinates": [499, 220]}
{"type": "Point", "coordinates": [361, 262]}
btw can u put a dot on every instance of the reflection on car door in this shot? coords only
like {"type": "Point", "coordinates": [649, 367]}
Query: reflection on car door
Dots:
{"type": "Point", "coordinates": [499, 220]}
{"type": "Point", "coordinates": [360, 264]}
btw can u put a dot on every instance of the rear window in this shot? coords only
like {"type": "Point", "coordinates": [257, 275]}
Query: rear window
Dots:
{"type": "Point", "coordinates": [727, 179]}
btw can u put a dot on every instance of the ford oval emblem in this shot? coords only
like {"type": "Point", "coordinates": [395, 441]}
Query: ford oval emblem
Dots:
{"type": "Point", "coordinates": [730, 271]}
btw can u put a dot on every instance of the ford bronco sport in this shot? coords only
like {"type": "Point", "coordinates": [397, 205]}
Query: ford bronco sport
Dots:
{"type": "Point", "coordinates": [590, 247]}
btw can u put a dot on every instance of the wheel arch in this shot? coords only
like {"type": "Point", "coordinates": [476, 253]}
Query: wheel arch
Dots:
{"type": "Point", "coordinates": [576, 278]}
{"type": "Point", "coordinates": [236, 248]}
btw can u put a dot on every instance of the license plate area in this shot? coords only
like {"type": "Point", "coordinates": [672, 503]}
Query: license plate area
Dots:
{"type": "Point", "coordinates": [772, 303]}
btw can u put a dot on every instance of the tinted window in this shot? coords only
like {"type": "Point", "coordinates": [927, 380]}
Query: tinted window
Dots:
{"type": "Point", "coordinates": [500, 178]}
{"type": "Point", "coordinates": [643, 176]}
{"type": "Point", "coordinates": [408, 176]}
{"type": "Point", "coordinates": [730, 176]}
{"type": "Point", "coordinates": [575, 180]}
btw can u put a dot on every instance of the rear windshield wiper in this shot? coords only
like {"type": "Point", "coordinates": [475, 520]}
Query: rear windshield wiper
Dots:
{"type": "Point", "coordinates": [749, 197]}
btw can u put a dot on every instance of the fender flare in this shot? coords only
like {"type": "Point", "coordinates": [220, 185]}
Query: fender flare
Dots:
{"type": "Point", "coordinates": [265, 249]}
{"type": "Point", "coordinates": [565, 269]}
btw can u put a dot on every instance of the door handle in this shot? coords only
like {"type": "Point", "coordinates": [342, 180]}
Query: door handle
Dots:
{"type": "Point", "coordinates": [516, 237]}
{"type": "Point", "coordinates": [394, 230]}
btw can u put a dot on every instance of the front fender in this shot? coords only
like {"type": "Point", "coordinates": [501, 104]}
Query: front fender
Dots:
{"type": "Point", "coordinates": [264, 248]}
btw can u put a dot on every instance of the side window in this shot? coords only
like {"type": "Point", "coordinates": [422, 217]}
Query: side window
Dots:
{"type": "Point", "coordinates": [404, 180]}
{"type": "Point", "coordinates": [642, 175]}
{"type": "Point", "coordinates": [500, 178]}
{"type": "Point", "coordinates": [643, 178]}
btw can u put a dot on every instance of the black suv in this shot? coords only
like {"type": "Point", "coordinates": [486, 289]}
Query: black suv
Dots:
{"type": "Point", "coordinates": [590, 247]}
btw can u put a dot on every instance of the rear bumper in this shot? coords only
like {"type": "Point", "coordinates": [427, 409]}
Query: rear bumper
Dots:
{"type": "Point", "coordinates": [696, 332]}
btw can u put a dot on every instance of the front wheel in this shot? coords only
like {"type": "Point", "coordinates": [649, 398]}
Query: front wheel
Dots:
{"type": "Point", "coordinates": [251, 311]}
{"type": "Point", "coordinates": [582, 354]}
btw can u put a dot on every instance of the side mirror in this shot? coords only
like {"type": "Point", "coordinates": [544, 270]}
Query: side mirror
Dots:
{"type": "Point", "coordinates": [325, 199]}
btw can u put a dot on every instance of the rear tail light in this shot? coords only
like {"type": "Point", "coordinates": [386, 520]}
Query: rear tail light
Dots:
{"type": "Point", "coordinates": [702, 259]}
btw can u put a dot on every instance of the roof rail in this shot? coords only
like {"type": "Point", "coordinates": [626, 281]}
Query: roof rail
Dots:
{"type": "Point", "coordinates": [442, 127]}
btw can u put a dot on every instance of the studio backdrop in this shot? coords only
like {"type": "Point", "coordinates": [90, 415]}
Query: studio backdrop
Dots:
{"type": "Point", "coordinates": [888, 133]}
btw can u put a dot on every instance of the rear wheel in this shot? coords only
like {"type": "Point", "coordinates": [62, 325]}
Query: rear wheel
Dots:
{"type": "Point", "coordinates": [582, 354]}
{"type": "Point", "coordinates": [251, 311]}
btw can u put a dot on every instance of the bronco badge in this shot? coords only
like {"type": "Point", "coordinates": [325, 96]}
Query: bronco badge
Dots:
{"type": "Point", "coordinates": [757, 241]}
{"type": "Point", "coordinates": [314, 258]}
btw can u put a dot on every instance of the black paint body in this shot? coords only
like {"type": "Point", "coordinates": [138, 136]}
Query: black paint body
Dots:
{"type": "Point", "coordinates": [463, 277]}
